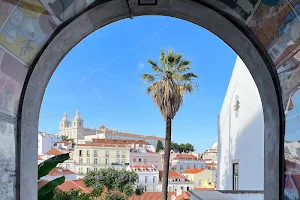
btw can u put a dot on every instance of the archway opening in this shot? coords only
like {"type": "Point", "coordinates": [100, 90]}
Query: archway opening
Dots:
{"type": "Point", "coordinates": [106, 87]}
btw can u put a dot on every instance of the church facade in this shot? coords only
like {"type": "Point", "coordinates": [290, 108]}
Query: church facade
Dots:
{"type": "Point", "coordinates": [75, 129]}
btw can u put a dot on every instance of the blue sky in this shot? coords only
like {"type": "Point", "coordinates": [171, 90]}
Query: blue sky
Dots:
{"type": "Point", "coordinates": [101, 77]}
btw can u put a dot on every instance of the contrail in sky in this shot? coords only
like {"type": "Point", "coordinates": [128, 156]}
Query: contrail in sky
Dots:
{"type": "Point", "coordinates": [128, 50]}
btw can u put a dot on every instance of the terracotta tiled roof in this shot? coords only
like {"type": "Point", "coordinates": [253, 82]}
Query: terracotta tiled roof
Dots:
{"type": "Point", "coordinates": [183, 196]}
{"type": "Point", "coordinates": [69, 185]}
{"type": "Point", "coordinates": [185, 156]}
{"type": "Point", "coordinates": [40, 158]}
{"type": "Point", "coordinates": [204, 189]}
{"type": "Point", "coordinates": [109, 131]}
{"type": "Point", "coordinates": [102, 145]}
{"type": "Point", "coordinates": [149, 151]}
{"type": "Point", "coordinates": [175, 174]}
{"type": "Point", "coordinates": [114, 141]}
{"type": "Point", "coordinates": [60, 172]}
{"type": "Point", "coordinates": [151, 196]}
{"type": "Point", "coordinates": [54, 152]}
{"type": "Point", "coordinates": [63, 142]}
{"type": "Point", "coordinates": [193, 170]}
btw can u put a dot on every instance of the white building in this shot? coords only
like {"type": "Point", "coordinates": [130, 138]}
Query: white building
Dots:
{"type": "Point", "coordinates": [63, 145]}
{"type": "Point", "coordinates": [74, 130]}
{"type": "Point", "coordinates": [185, 161]}
{"type": "Point", "coordinates": [178, 182]}
{"type": "Point", "coordinates": [211, 155]}
{"type": "Point", "coordinates": [148, 177]}
{"type": "Point", "coordinates": [241, 134]}
{"type": "Point", "coordinates": [46, 142]}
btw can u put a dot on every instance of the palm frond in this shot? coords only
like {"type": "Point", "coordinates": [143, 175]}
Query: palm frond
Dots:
{"type": "Point", "coordinates": [148, 78]}
{"type": "Point", "coordinates": [183, 66]}
{"type": "Point", "coordinates": [189, 76]}
{"type": "Point", "coordinates": [188, 88]}
{"type": "Point", "coordinates": [155, 67]}
{"type": "Point", "coordinates": [162, 59]}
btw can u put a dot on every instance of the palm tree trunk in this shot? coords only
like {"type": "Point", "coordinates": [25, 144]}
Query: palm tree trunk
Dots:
{"type": "Point", "coordinates": [166, 160]}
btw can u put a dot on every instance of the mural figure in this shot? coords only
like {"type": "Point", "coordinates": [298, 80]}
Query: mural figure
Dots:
{"type": "Point", "coordinates": [27, 47]}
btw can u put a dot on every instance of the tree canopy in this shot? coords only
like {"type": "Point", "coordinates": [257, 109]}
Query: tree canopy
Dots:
{"type": "Point", "coordinates": [159, 146]}
{"type": "Point", "coordinates": [180, 148]}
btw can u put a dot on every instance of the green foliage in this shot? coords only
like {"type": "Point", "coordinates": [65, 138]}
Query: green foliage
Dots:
{"type": "Point", "coordinates": [64, 138]}
{"type": "Point", "coordinates": [47, 191]}
{"type": "Point", "coordinates": [71, 195]}
{"type": "Point", "coordinates": [45, 167]}
{"type": "Point", "coordinates": [116, 182]}
{"type": "Point", "coordinates": [179, 148]}
{"type": "Point", "coordinates": [159, 146]}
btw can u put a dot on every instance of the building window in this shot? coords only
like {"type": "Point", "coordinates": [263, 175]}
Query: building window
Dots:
{"type": "Point", "coordinates": [170, 189]}
{"type": "Point", "coordinates": [95, 161]}
{"type": "Point", "coordinates": [123, 160]}
{"type": "Point", "coordinates": [154, 179]}
{"type": "Point", "coordinates": [195, 166]}
{"type": "Point", "coordinates": [123, 154]}
{"type": "Point", "coordinates": [88, 153]}
{"type": "Point", "coordinates": [200, 183]}
{"type": "Point", "coordinates": [106, 153]}
{"type": "Point", "coordinates": [181, 167]}
{"type": "Point", "coordinates": [80, 153]}
{"type": "Point", "coordinates": [145, 160]}
{"type": "Point", "coordinates": [67, 166]}
{"type": "Point", "coordinates": [95, 169]}
{"type": "Point", "coordinates": [79, 124]}
{"type": "Point", "coordinates": [235, 177]}
{"type": "Point", "coordinates": [182, 188]}
{"type": "Point", "coordinates": [106, 161]}
{"type": "Point", "coordinates": [118, 154]}
{"type": "Point", "coordinates": [145, 189]}
{"type": "Point", "coordinates": [187, 166]}
{"type": "Point", "coordinates": [80, 161]}
{"type": "Point", "coordinates": [134, 159]}
{"type": "Point", "coordinates": [140, 160]}
{"type": "Point", "coordinates": [87, 161]}
{"type": "Point", "coordinates": [187, 188]}
{"type": "Point", "coordinates": [95, 153]}
{"type": "Point", "coordinates": [146, 179]}
{"type": "Point", "coordinates": [87, 170]}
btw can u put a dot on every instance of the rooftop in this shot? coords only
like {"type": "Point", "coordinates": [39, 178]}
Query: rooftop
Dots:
{"type": "Point", "coordinates": [193, 170]}
{"type": "Point", "coordinates": [69, 185]}
{"type": "Point", "coordinates": [116, 141]}
{"type": "Point", "coordinates": [151, 196]}
{"type": "Point", "coordinates": [185, 156]}
{"type": "Point", "coordinates": [60, 172]}
{"type": "Point", "coordinates": [109, 131]}
{"type": "Point", "coordinates": [102, 145]}
{"type": "Point", "coordinates": [54, 151]}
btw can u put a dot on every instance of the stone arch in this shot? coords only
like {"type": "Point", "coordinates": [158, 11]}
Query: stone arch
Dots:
{"type": "Point", "coordinates": [106, 12]}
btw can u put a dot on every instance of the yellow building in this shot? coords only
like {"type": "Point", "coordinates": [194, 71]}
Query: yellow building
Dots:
{"type": "Point", "coordinates": [93, 156]}
{"type": "Point", "coordinates": [202, 178]}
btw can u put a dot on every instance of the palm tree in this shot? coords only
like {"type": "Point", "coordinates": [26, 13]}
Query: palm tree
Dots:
{"type": "Point", "coordinates": [169, 83]}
